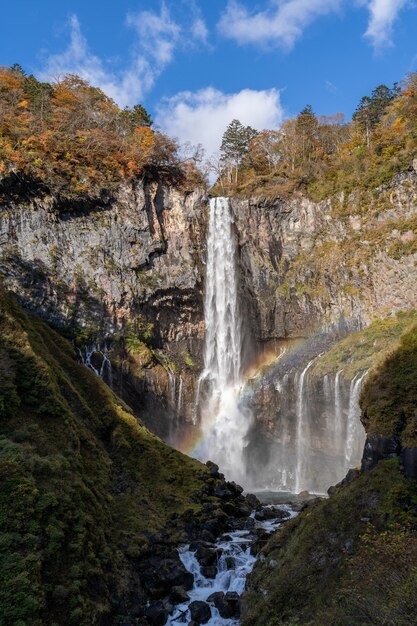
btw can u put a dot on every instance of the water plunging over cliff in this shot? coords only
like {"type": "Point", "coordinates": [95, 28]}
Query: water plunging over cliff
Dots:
{"type": "Point", "coordinates": [224, 423]}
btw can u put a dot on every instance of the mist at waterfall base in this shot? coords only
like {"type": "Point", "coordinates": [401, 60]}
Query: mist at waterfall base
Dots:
{"type": "Point", "coordinates": [311, 433]}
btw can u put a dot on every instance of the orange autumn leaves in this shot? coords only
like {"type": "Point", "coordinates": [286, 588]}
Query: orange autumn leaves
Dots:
{"type": "Point", "coordinates": [72, 137]}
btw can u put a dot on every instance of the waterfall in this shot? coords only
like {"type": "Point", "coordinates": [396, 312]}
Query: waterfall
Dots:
{"type": "Point", "coordinates": [180, 396]}
{"type": "Point", "coordinates": [224, 424]}
{"type": "Point", "coordinates": [105, 371]}
{"type": "Point", "coordinates": [302, 431]}
{"type": "Point", "coordinates": [171, 389]}
{"type": "Point", "coordinates": [354, 434]}
{"type": "Point", "coordinates": [338, 413]}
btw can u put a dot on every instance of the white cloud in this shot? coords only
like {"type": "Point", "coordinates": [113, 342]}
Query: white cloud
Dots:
{"type": "Point", "coordinates": [382, 15]}
{"type": "Point", "coordinates": [157, 34]}
{"type": "Point", "coordinates": [157, 37]}
{"type": "Point", "coordinates": [282, 23]}
{"type": "Point", "coordinates": [202, 116]}
{"type": "Point", "coordinates": [199, 30]}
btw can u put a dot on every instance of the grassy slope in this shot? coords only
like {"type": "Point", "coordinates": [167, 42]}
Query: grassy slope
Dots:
{"type": "Point", "coordinates": [364, 349]}
{"type": "Point", "coordinates": [80, 482]}
{"type": "Point", "coordinates": [352, 559]}
{"type": "Point", "coordinates": [389, 398]}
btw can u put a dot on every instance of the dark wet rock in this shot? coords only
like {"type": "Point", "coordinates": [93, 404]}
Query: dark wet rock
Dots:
{"type": "Point", "coordinates": [253, 501]}
{"type": "Point", "coordinates": [409, 462]}
{"type": "Point", "coordinates": [377, 448]}
{"type": "Point", "coordinates": [179, 595]}
{"type": "Point", "coordinates": [162, 574]}
{"type": "Point", "coordinates": [209, 571]}
{"type": "Point", "coordinates": [233, 600]}
{"type": "Point", "coordinates": [200, 612]}
{"type": "Point", "coordinates": [267, 514]}
{"type": "Point", "coordinates": [228, 605]}
{"type": "Point", "coordinates": [239, 511]}
{"type": "Point", "coordinates": [214, 469]}
{"type": "Point", "coordinates": [207, 554]}
{"type": "Point", "coordinates": [157, 614]}
{"type": "Point", "coordinates": [234, 488]}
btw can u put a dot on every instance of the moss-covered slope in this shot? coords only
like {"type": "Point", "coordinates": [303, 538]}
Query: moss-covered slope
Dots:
{"type": "Point", "coordinates": [84, 488]}
{"type": "Point", "coordinates": [347, 561]}
{"type": "Point", "coordinates": [352, 560]}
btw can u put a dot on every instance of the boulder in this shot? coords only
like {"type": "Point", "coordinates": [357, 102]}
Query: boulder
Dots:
{"type": "Point", "coordinates": [209, 571]}
{"type": "Point", "coordinates": [178, 595]}
{"type": "Point", "coordinates": [228, 605]}
{"type": "Point", "coordinates": [200, 612]}
{"type": "Point", "coordinates": [157, 614]}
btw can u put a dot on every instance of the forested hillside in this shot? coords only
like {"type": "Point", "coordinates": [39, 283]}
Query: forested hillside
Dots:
{"type": "Point", "coordinates": [74, 141]}
{"type": "Point", "coordinates": [324, 155]}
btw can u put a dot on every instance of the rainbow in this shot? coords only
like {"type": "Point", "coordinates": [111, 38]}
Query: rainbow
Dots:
{"type": "Point", "coordinates": [193, 441]}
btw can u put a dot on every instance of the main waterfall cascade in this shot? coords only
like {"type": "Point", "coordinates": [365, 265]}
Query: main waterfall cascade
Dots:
{"type": "Point", "coordinates": [316, 434]}
{"type": "Point", "coordinates": [224, 421]}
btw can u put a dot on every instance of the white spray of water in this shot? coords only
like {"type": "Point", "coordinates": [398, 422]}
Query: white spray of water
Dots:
{"type": "Point", "coordinates": [355, 433]}
{"type": "Point", "coordinates": [302, 431]}
{"type": "Point", "coordinates": [224, 424]}
{"type": "Point", "coordinates": [180, 396]}
{"type": "Point", "coordinates": [338, 412]}
{"type": "Point", "coordinates": [105, 369]}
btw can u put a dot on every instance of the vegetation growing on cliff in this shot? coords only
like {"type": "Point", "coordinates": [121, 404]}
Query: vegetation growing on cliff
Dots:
{"type": "Point", "coordinates": [323, 155]}
{"type": "Point", "coordinates": [389, 397]}
{"type": "Point", "coordinates": [366, 348]}
{"type": "Point", "coordinates": [347, 561]}
{"type": "Point", "coordinates": [352, 560]}
{"type": "Point", "coordinates": [84, 487]}
{"type": "Point", "coordinates": [75, 141]}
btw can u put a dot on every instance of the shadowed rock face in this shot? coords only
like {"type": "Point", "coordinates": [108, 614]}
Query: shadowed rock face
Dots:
{"type": "Point", "coordinates": [303, 266]}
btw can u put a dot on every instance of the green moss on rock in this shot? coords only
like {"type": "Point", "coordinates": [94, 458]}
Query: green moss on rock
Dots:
{"type": "Point", "coordinates": [347, 561]}
{"type": "Point", "coordinates": [84, 486]}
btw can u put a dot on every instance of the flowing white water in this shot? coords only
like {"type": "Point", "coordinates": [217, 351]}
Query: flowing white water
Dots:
{"type": "Point", "coordinates": [233, 566]}
{"type": "Point", "coordinates": [302, 433]}
{"type": "Point", "coordinates": [355, 433]}
{"type": "Point", "coordinates": [224, 423]}
{"type": "Point", "coordinates": [338, 412]}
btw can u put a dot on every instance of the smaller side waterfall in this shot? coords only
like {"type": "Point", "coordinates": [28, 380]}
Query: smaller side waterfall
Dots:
{"type": "Point", "coordinates": [96, 358]}
{"type": "Point", "coordinates": [303, 434]}
{"type": "Point", "coordinates": [354, 427]}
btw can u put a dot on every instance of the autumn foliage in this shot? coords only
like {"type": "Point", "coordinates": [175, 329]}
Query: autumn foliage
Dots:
{"type": "Point", "coordinates": [323, 155]}
{"type": "Point", "coordinates": [74, 139]}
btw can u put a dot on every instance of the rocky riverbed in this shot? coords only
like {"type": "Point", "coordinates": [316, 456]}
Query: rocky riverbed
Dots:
{"type": "Point", "coordinates": [217, 571]}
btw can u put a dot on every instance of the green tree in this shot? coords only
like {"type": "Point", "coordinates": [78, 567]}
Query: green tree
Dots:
{"type": "Point", "coordinates": [235, 145]}
{"type": "Point", "coordinates": [371, 108]}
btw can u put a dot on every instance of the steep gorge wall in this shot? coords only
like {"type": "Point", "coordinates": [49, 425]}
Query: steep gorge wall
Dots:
{"type": "Point", "coordinates": [304, 266]}
{"type": "Point", "coordinates": [337, 263]}
{"type": "Point", "coordinates": [131, 266]}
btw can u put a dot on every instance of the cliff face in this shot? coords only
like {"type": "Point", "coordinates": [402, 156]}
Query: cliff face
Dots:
{"type": "Point", "coordinates": [133, 271]}
{"type": "Point", "coordinates": [132, 266]}
{"type": "Point", "coordinates": [101, 266]}
{"type": "Point", "coordinates": [308, 265]}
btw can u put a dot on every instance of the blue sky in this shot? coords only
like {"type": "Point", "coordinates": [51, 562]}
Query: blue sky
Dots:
{"type": "Point", "coordinates": [196, 64]}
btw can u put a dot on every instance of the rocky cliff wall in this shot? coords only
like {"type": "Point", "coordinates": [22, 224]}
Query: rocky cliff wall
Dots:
{"type": "Point", "coordinates": [308, 265]}
{"type": "Point", "coordinates": [133, 270]}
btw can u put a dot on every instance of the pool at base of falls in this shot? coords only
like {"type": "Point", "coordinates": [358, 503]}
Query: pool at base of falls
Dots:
{"type": "Point", "coordinates": [235, 560]}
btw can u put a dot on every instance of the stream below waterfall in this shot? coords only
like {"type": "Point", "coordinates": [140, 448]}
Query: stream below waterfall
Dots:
{"type": "Point", "coordinates": [216, 601]}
